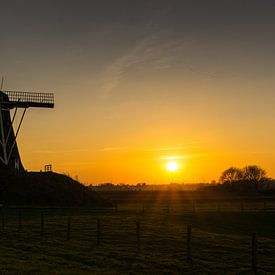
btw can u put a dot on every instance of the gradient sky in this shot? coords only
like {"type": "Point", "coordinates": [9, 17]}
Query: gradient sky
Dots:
{"type": "Point", "coordinates": [140, 82]}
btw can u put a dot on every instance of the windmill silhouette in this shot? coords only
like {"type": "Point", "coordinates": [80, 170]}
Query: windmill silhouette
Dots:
{"type": "Point", "coordinates": [10, 160]}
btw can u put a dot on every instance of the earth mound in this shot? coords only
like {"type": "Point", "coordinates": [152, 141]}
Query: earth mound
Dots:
{"type": "Point", "coordinates": [47, 189]}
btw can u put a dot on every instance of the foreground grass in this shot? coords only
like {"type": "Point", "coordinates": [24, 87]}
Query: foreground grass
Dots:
{"type": "Point", "coordinates": [220, 240]}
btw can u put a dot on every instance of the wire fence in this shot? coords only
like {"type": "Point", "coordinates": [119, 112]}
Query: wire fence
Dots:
{"type": "Point", "coordinates": [172, 236]}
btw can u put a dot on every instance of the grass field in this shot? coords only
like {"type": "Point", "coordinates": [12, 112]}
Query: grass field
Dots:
{"type": "Point", "coordinates": [221, 239]}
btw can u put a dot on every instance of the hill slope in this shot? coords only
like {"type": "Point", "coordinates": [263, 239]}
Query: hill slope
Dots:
{"type": "Point", "coordinates": [38, 188]}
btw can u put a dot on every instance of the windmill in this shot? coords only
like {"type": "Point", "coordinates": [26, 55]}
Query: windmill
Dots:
{"type": "Point", "coordinates": [10, 160]}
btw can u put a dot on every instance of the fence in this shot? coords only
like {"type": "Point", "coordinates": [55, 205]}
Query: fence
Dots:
{"type": "Point", "coordinates": [160, 233]}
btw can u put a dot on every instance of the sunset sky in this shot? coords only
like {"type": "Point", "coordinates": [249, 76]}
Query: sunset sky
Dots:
{"type": "Point", "coordinates": [141, 83]}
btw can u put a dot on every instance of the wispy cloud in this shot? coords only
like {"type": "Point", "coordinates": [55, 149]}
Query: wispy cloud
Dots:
{"type": "Point", "coordinates": [114, 73]}
{"type": "Point", "coordinates": [106, 149]}
{"type": "Point", "coordinates": [151, 49]}
{"type": "Point", "coordinates": [176, 147]}
{"type": "Point", "coordinates": [187, 156]}
{"type": "Point", "coordinates": [241, 153]}
{"type": "Point", "coordinates": [76, 164]}
{"type": "Point", "coordinates": [58, 151]}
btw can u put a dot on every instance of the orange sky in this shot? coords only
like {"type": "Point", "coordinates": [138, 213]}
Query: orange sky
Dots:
{"type": "Point", "coordinates": [135, 89]}
{"type": "Point", "coordinates": [132, 142]}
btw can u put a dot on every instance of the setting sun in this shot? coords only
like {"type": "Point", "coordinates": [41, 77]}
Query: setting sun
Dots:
{"type": "Point", "coordinates": [172, 166]}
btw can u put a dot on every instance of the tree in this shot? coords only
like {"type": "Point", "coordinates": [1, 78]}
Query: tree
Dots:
{"type": "Point", "coordinates": [253, 175]}
{"type": "Point", "coordinates": [231, 175]}
{"type": "Point", "coordinates": [247, 178]}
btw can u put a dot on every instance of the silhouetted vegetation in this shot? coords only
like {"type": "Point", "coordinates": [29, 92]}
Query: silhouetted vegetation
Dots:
{"type": "Point", "coordinates": [231, 175]}
{"type": "Point", "coordinates": [249, 178]}
{"type": "Point", "coordinates": [173, 186]}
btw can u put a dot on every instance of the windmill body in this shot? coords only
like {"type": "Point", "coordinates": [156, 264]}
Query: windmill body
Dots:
{"type": "Point", "coordinates": [10, 161]}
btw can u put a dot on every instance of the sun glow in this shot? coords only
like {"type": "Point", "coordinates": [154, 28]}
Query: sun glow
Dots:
{"type": "Point", "coordinates": [172, 166]}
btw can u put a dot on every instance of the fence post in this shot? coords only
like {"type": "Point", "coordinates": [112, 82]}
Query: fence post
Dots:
{"type": "Point", "coordinates": [242, 207]}
{"type": "Point", "coordinates": [189, 236]}
{"type": "Point", "coordinates": [42, 225]}
{"type": "Point", "coordinates": [194, 207]}
{"type": "Point", "coordinates": [138, 235]}
{"type": "Point", "coordinates": [218, 207]}
{"type": "Point", "coordinates": [168, 208]}
{"type": "Point", "coordinates": [69, 228]}
{"type": "Point", "coordinates": [3, 218]}
{"type": "Point", "coordinates": [143, 207]}
{"type": "Point", "coordinates": [19, 221]}
{"type": "Point", "coordinates": [254, 253]}
{"type": "Point", "coordinates": [98, 232]}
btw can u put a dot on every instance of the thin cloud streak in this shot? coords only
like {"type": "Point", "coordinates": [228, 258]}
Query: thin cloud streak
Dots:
{"type": "Point", "coordinates": [240, 153]}
{"type": "Point", "coordinates": [146, 51]}
{"type": "Point", "coordinates": [181, 156]}
{"type": "Point", "coordinates": [56, 151]}
{"type": "Point", "coordinates": [177, 147]}
{"type": "Point", "coordinates": [149, 50]}
{"type": "Point", "coordinates": [77, 164]}
{"type": "Point", "coordinates": [113, 149]}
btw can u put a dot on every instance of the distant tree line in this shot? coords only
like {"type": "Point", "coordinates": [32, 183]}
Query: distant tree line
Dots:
{"type": "Point", "coordinates": [173, 186]}
{"type": "Point", "coordinates": [250, 177]}
{"type": "Point", "coordinates": [108, 186]}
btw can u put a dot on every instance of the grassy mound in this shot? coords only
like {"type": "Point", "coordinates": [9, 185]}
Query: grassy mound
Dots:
{"type": "Point", "coordinates": [51, 189]}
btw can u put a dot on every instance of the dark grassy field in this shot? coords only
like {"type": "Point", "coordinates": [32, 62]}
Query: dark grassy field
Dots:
{"type": "Point", "coordinates": [221, 239]}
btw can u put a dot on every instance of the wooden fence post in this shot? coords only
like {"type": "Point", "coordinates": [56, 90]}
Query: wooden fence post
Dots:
{"type": "Point", "coordinates": [19, 221]}
{"type": "Point", "coordinates": [168, 209]}
{"type": "Point", "coordinates": [143, 208]}
{"type": "Point", "coordinates": [218, 207]}
{"type": "Point", "coordinates": [242, 207]}
{"type": "Point", "coordinates": [189, 237]}
{"type": "Point", "coordinates": [254, 252]}
{"type": "Point", "coordinates": [138, 235]}
{"type": "Point", "coordinates": [42, 225]}
{"type": "Point", "coordinates": [194, 207]}
{"type": "Point", "coordinates": [98, 232]}
{"type": "Point", "coordinates": [3, 218]}
{"type": "Point", "coordinates": [69, 228]}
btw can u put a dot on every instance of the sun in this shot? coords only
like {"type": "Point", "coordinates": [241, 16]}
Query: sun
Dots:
{"type": "Point", "coordinates": [172, 166]}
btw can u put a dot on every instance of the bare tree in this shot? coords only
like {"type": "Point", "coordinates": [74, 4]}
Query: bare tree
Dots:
{"type": "Point", "coordinates": [231, 175]}
{"type": "Point", "coordinates": [254, 174]}
{"type": "Point", "coordinates": [247, 178]}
